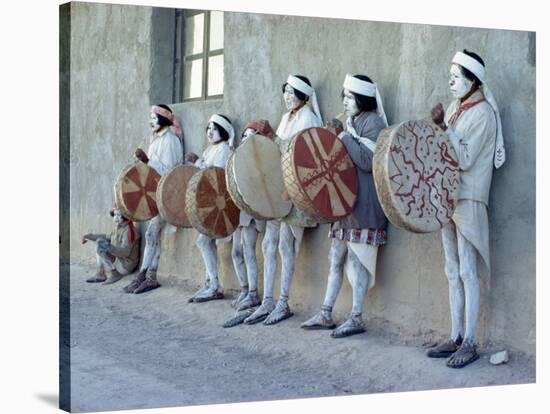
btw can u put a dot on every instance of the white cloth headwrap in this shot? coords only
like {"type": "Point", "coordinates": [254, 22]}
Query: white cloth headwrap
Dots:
{"type": "Point", "coordinates": [221, 121]}
{"type": "Point", "coordinates": [478, 69]}
{"type": "Point", "coordinates": [365, 88]}
{"type": "Point", "coordinates": [303, 87]}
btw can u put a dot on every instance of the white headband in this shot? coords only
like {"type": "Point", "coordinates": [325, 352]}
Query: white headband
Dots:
{"type": "Point", "coordinates": [359, 86]}
{"type": "Point", "coordinates": [471, 64]}
{"type": "Point", "coordinates": [478, 69]}
{"type": "Point", "coordinates": [303, 87]}
{"type": "Point", "coordinates": [225, 124]}
{"type": "Point", "coordinates": [365, 88]}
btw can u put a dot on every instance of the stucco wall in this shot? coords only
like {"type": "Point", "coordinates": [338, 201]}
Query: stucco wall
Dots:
{"type": "Point", "coordinates": [110, 81]}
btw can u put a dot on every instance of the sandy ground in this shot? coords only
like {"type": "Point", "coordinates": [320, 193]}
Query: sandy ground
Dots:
{"type": "Point", "coordinates": [157, 350]}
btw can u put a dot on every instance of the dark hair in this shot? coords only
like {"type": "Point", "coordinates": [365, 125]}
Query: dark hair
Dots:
{"type": "Point", "coordinates": [224, 135]}
{"type": "Point", "coordinates": [299, 94]}
{"type": "Point", "coordinates": [112, 214]}
{"type": "Point", "coordinates": [468, 74]}
{"type": "Point", "coordinates": [163, 121]}
{"type": "Point", "coordinates": [364, 103]}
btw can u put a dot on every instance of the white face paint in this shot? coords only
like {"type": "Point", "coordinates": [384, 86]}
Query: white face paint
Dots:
{"type": "Point", "coordinates": [212, 133]}
{"type": "Point", "coordinates": [248, 132]}
{"type": "Point", "coordinates": [350, 106]}
{"type": "Point", "coordinates": [154, 122]}
{"type": "Point", "coordinates": [458, 83]}
{"type": "Point", "coordinates": [291, 100]}
{"type": "Point", "coordinates": [117, 216]}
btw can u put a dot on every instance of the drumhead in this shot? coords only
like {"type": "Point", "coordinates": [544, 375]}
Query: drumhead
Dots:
{"type": "Point", "coordinates": [135, 192]}
{"type": "Point", "coordinates": [416, 175]}
{"type": "Point", "coordinates": [255, 179]}
{"type": "Point", "coordinates": [171, 195]}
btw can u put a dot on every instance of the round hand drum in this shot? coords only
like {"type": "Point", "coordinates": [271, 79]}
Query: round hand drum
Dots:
{"type": "Point", "coordinates": [416, 174]}
{"type": "Point", "coordinates": [208, 204]}
{"type": "Point", "coordinates": [255, 179]}
{"type": "Point", "coordinates": [171, 195]}
{"type": "Point", "coordinates": [135, 191]}
{"type": "Point", "coordinates": [320, 175]}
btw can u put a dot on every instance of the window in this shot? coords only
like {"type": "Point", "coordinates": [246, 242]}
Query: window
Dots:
{"type": "Point", "coordinates": [198, 64]}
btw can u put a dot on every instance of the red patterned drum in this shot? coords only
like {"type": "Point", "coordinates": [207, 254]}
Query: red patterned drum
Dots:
{"type": "Point", "coordinates": [320, 175]}
{"type": "Point", "coordinates": [135, 192]}
{"type": "Point", "coordinates": [416, 174]}
{"type": "Point", "coordinates": [208, 205]}
{"type": "Point", "coordinates": [171, 195]}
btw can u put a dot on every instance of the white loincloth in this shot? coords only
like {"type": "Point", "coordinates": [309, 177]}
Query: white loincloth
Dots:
{"type": "Point", "coordinates": [367, 255]}
{"type": "Point", "coordinates": [471, 219]}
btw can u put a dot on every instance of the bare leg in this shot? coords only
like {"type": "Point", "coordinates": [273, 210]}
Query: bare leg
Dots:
{"type": "Point", "coordinates": [249, 237]}
{"type": "Point", "coordinates": [238, 264]}
{"type": "Point", "coordinates": [269, 250]}
{"type": "Point", "coordinates": [337, 257]}
{"type": "Point", "coordinates": [100, 272]}
{"type": "Point", "coordinates": [359, 279]}
{"type": "Point", "coordinates": [151, 253]}
{"type": "Point", "coordinates": [209, 253]}
{"type": "Point", "coordinates": [467, 353]}
{"type": "Point", "coordinates": [287, 252]}
{"type": "Point", "coordinates": [452, 270]}
{"type": "Point", "coordinates": [456, 294]}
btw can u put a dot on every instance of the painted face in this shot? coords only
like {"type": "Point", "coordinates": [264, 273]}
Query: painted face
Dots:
{"type": "Point", "coordinates": [350, 106]}
{"type": "Point", "coordinates": [212, 133]}
{"type": "Point", "coordinates": [458, 83]}
{"type": "Point", "coordinates": [248, 132]}
{"type": "Point", "coordinates": [117, 216]}
{"type": "Point", "coordinates": [154, 122]}
{"type": "Point", "coordinates": [291, 100]}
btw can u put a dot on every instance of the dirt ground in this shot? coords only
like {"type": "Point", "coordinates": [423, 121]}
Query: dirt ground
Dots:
{"type": "Point", "coordinates": [157, 350]}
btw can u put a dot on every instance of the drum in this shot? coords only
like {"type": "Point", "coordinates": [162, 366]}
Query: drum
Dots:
{"type": "Point", "coordinates": [171, 195]}
{"type": "Point", "coordinates": [208, 204]}
{"type": "Point", "coordinates": [319, 175]}
{"type": "Point", "coordinates": [416, 174]}
{"type": "Point", "coordinates": [255, 179]}
{"type": "Point", "coordinates": [135, 192]}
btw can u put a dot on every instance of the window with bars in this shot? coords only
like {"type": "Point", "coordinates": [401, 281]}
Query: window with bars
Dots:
{"type": "Point", "coordinates": [198, 64]}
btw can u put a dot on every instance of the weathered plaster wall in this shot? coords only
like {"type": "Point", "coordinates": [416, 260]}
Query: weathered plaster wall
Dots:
{"type": "Point", "coordinates": [110, 94]}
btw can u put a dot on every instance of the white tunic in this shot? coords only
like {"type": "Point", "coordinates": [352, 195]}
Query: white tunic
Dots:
{"type": "Point", "coordinates": [165, 152]}
{"type": "Point", "coordinates": [215, 155]}
{"type": "Point", "coordinates": [473, 136]}
{"type": "Point", "coordinates": [304, 118]}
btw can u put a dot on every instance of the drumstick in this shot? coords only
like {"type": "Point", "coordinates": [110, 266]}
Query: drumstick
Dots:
{"type": "Point", "coordinates": [340, 117]}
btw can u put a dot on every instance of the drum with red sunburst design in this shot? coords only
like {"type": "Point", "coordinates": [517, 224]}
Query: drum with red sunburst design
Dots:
{"type": "Point", "coordinates": [208, 204]}
{"type": "Point", "coordinates": [135, 192]}
{"type": "Point", "coordinates": [416, 174]}
{"type": "Point", "coordinates": [319, 175]}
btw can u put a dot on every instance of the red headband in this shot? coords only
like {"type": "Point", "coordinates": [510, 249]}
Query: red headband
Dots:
{"type": "Point", "coordinates": [171, 117]}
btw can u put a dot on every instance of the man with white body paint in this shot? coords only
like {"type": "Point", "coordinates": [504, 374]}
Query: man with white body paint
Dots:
{"type": "Point", "coordinates": [473, 125]}
{"type": "Point", "coordinates": [246, 235]}
{"type": "Point", "coordinates": [220, 135]}
{"type": "Point", "coordinates": [165, 152]}
{"type": "Point", "coordinates": [355, 239]}
{"type": "Point", "coordinates": [118, 252]}
{"type": "Point", "coordinates": [287, 233]}
{"type": "Point", "coordinates": [243, 252]}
